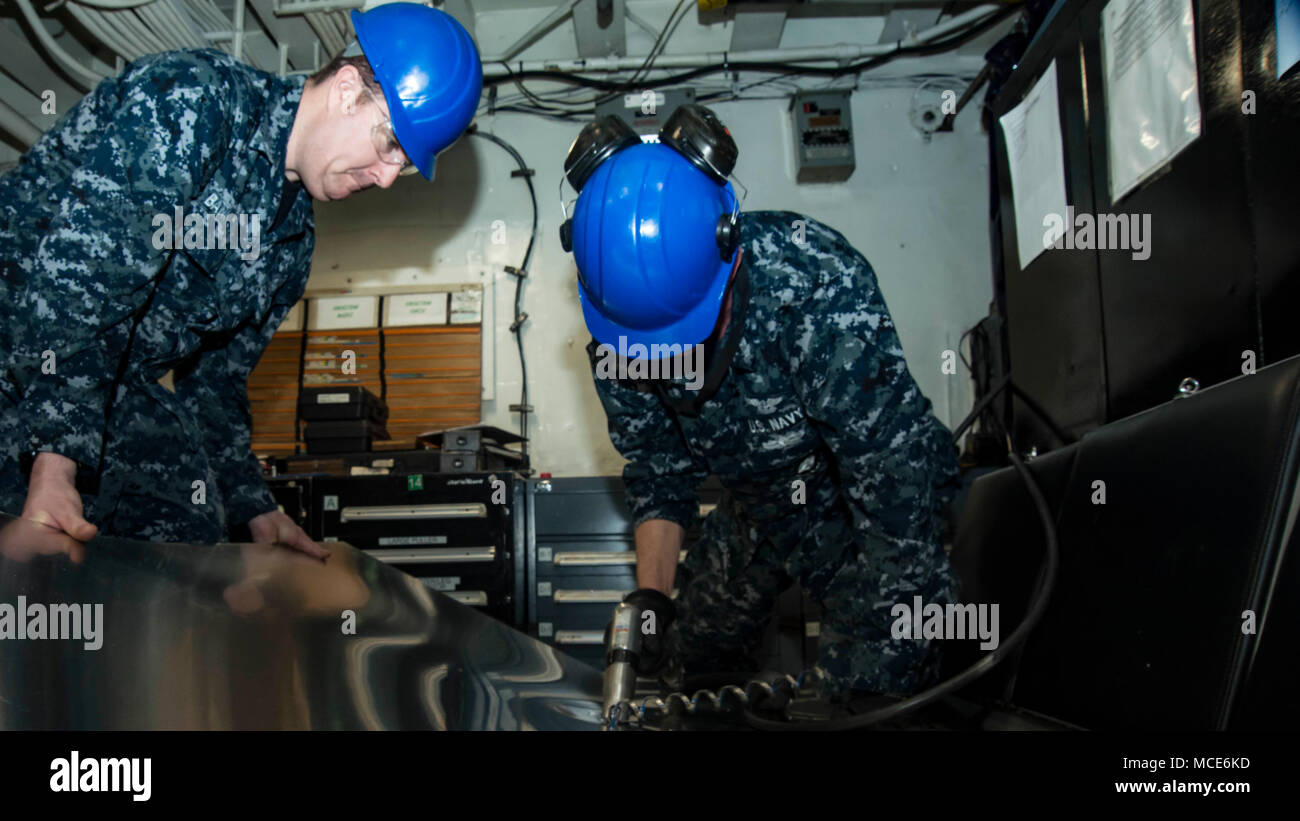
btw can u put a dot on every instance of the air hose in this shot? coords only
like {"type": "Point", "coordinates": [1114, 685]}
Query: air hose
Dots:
{"type": "Point", "coordinates": [780, 692]}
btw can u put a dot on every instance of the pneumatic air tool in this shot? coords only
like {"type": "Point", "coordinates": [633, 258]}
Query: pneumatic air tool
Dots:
{"type": "Point", "coordinates": [635, 645]}
{"type": "Point", "coordinates": [622, 653]}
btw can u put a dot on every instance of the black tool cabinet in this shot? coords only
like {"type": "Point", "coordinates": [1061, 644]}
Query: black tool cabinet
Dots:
{"type": "Point", "coordinates": [582, 559]}
{"type": "Point", "coordinates": [550, 556]}
{"type": "Point", "coordinates": [458, 533]}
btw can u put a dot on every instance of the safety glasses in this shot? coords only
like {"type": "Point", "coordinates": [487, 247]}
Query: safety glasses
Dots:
{"type": "Point", "coordinates": [385, 142]}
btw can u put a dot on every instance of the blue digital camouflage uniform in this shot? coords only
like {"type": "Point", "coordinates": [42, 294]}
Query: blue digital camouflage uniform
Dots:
{"type": "Point", "coordinates": [834, 468]}
{"type": "Point", "coordinates": [90, 290]}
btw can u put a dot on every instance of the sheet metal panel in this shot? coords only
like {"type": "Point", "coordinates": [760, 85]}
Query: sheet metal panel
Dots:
{"type": "Point", "coordinates": [247, 636]}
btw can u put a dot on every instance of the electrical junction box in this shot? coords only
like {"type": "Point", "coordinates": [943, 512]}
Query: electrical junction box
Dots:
{"type": "Point", "coordinates": [823, 136]}
{"type": "Point", "coordinates": [646, 111]}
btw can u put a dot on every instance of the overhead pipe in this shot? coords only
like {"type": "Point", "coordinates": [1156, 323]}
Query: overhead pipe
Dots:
{"type": "Point", "coordinates": [238, 48]}
{"type": "Point", "coordinates": [83, 77]}
{"type": "Point", "coordinates": [310, 6]}
{"type": "Point", "coordinates": [129, 30]}
{"type": "Point", "coordinates": [325, 33]}
{"type": "Point", "coordinates": [100, 32]}
{"type": "Point", "coordinates": [134, 23]}
{"type": "Point", "coordinates": [170, 18]}
{"type": "Point", "coordinates": [23, 130]}
{"type": "Point", "coordinates": [822, 54]}
{"type": "Point", "coordinates": [206, 15]}
{"type": "Point", "coordinates": [156, 18]}
{"type": "Point", "coordinates": [114, 5]}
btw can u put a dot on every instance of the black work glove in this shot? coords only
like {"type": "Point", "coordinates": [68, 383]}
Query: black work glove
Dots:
{"type": "Point", "coordinates": [653, 630]}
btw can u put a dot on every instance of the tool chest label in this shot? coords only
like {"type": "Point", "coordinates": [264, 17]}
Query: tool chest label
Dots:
{"type": "Point", "coordinates": [395, 541]}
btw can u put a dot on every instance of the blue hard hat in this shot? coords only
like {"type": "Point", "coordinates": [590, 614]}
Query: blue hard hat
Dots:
{"type": "Point", "coordinates": [430, 72]}
{"type": "Point", "coordinates": [646, 245]}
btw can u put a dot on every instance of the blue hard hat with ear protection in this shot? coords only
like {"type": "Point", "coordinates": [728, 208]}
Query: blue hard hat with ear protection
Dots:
{"type": "Point", "coordinates": [430, 72]}
{"type": "Point", "coordinates": [654, 232]}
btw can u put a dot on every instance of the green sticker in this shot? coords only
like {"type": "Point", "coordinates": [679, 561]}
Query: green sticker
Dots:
{"type": "Point", "coordinates": [415, 482]}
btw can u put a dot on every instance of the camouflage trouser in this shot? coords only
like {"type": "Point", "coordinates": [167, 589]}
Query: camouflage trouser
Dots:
{"type": "Point", "coordinates": [731, 579]}
{"type": "Point", "coordinates": [146, 487]}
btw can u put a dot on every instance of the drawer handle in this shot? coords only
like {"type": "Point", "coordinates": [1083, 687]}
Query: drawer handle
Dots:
{"type": "Point", "coordinates": [435, 555]}
{"type": "Point", "coordinates": [596, 558]}
{"type": "Point", "coordinates": [391, 513]}
{"type": "Point", "coordinates": [579, 636]}
{"type": "Point", "coordinates": [474, 598]}
{"type": "Point", "coordinates": [592, 596]}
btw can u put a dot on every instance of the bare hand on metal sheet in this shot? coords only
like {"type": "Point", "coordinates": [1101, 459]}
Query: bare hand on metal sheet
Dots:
{"type": "Point", "coordinates": [52, 497]}
{"type": "Point", "coordinates": [277, 528]}
{"type": "Point", "coordinates": [21, 540]}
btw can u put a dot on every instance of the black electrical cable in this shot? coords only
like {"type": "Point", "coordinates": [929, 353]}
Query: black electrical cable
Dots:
{"type": "Point", "coordinates": [782, 69]}
{"type": "Point", "coordinates": [969, 331]}
{"type": "Point", "coordinates": [548, 105]}
{"type": "Point", "coordinates": [1042, 414]}
{"type": "Point", "coordinates": [573, 117]}
{"type": "Point", "coordinates": [987, 662]}
{"type": "Point", "coordinates": [657, 47]}
{"type": "Point", "coordinates": [984, 402]}
{"type": "Point", "coordinates": [1047, 581]}
{"type": "Point", "coordinates": [517, 325]}
{"type": "Point", "coordinates": [792, 69]}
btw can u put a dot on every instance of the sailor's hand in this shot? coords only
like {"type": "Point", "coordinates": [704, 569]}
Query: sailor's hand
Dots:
{"type": "Point", "coordinates": [657, 615]}
{"type": "Point", "coordinates": [22, 540]}
{"type": "Point", "coordinates": [277, 528]}
{"type": "Point", "coordinates": [52, 497]}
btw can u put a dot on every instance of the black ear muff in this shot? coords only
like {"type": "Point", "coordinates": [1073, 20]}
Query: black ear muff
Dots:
{"type": "Point", "coordinates": [594, 144]}
{"type": "Point", "coordinates": [728, 235]}
{"type": "Point", "coordinates": [566, 236]}
{"type": "Point", "coordinates": [697, 134]}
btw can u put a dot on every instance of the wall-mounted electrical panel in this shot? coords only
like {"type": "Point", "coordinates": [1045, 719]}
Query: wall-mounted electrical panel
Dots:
{"type": "Point", "coordinates": [823, 136]}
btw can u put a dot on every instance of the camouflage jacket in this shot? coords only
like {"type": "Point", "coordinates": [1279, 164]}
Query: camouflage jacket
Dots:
{"type": "Point", "coordinates": [817, 397]}
{"type": "Point", "coordinates": [102, 293]}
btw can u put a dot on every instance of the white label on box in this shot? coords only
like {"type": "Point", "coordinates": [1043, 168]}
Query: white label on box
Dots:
{"type": "Point", "coordinates": [467, 306]}
{"type": "Point", "coordinates": [343, 312]}
{"type": "Point", "coordinates": [330, 503]}
{"type": "Point", "coordinates": [543, 589]}
{"type": "Point", "coordinates": [642, 101]}
{"type": "Point", "coordinates": [544, 554]}
{"type": "Point", "coordinates": [545, 629]}
{"type": "Point", "coordinates": [415, 309]}
{"type": "Point", "coordinates": [442, 582]}
{"type": "Point", "coordinates": [333, 398]}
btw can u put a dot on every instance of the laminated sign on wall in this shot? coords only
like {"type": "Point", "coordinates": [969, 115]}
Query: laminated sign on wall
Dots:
{"type": "Point", "coordinates": [1032, 133]}
{"type": "Point", "coordinates": [1153, 105]}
